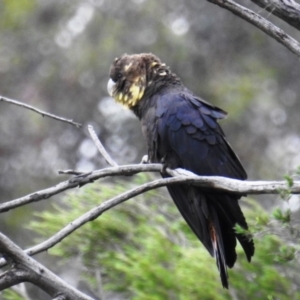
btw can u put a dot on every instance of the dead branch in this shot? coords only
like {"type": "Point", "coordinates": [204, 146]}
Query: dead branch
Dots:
{"type": "Point", "coordinates": [25, 268]}
{"type": "Point", "coordinates": [41, 112]}
{"type": "Point", "coordinates": [181, 176]}
{"type": "Point", "coordinates": [266, 26]}
{"type": "Point", "coordinates": [286, 10]}
{"type": "Point", "coordinates": [100, 147]}
{"type": "Point", "coordinates": [78, 181]}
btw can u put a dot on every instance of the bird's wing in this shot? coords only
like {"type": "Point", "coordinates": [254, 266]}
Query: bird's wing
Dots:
{"type": "Point", "coordinates": [188, 129]}
{"type": "Point", "coordinates": [189, 137]}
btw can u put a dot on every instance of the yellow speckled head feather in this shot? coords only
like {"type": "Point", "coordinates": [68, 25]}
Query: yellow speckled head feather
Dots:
{"type": "Point", "coordinates": [129, 75]}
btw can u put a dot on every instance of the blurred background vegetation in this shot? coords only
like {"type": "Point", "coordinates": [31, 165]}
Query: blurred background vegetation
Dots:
{"type": "Point", "coordinates": [56, 55]}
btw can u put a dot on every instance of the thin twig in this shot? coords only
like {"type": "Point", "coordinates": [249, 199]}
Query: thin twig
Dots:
{"type": "Point", "coordinates": [100, 147]}
{"type": "Point", "coordinates": [261, 23]}
{"type": "Point", "coordinates": [71, 172]}
{"type": "Point", "coordinates": [99, 284]}
{"type": "Point", "coordinates": [41, 112]}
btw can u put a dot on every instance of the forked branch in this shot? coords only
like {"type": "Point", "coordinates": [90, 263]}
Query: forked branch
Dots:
{"type": "Point", "coordinates": [25, 268]}
{"type": "Point", "coordinates": [260, 22]}
{"type": "Point", "coordinates": [286, 10]}
{"type": "Point", "coordinates": [179, 176]}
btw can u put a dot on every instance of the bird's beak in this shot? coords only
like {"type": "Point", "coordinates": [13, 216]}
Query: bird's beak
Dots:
{"type": "Point", "coordinates": [110, 87]}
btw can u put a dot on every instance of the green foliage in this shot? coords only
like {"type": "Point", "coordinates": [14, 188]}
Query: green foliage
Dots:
{"type": "Point", "coordinates": [285, 194]}
{"type": "Point", "coordinates": [289, 180]}
{"type": "Point", "coordinates": [9, 294]}
{"type": "Point", "coordinates": [142, 251]}
{"type": "Point", "coordinates": [286, 253]}
{"type": "Point", "coordinates": [15, 12]}
{"type": "Point", "coordinates": [282, 216]}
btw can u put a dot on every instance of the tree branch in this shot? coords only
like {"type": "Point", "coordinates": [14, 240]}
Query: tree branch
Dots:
{"type": "Point", "coordinates": [25, 268]}
{"type": "Point", "coordinates": [261, 23]}
{"type": "Point", "coordinates": [41, 112]}
{"type": "Point", "coordinates": [79, 180]}
{"type": "Point", "coordinates": [286, 10]}
{"type": "Point", "coordinates": [182, 176]}
{"type": "Point", "coordinates": [12, 277]}
{"type": "Point", "coordinates": [100, 147]}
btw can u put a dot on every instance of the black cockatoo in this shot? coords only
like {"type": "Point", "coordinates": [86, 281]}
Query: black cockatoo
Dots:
{"type": "Point", "coordinates": [182, 131]}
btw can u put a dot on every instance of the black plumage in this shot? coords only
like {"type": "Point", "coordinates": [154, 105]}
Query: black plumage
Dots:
{"type": "Point", "coordinates": [182, 132]}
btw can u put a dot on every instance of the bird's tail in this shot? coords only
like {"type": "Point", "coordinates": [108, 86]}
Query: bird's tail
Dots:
{"type": "Point", "coordinates": [218, 247]}
{"type": "Point", "coordinates": [212, 217]}
{"type": "Point", "coordinates": [226, 213]}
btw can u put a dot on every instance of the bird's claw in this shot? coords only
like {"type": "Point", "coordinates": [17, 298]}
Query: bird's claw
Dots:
{"type": "Point", "coordinates": [145, 159]}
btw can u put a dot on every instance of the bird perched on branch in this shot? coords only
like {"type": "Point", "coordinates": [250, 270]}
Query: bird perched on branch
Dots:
{"type": "Point", "coordinates": [182, 131]}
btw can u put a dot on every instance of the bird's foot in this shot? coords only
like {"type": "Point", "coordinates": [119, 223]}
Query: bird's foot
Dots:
{"type": "Point", "coordinates": [145, 160]}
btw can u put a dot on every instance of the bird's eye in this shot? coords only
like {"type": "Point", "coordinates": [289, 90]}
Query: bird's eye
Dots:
{"type": "Point", "coordinates": [116, 76]}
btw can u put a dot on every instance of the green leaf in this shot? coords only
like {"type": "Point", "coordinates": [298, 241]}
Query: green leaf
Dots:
{"type": "Point", "coordinates": [282, 216]}
{"type": "Point", "coordinates": [289, 180]}
{"type": "Point", "coordinates": [9, 294]}
{"type": "Point", "coordinates": [286, 254]}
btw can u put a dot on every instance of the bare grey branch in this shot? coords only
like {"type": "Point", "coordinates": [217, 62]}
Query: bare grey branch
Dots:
{"type": "Point", "coordinates": [261, 23]}
{"type": "Point", "coordinates": [41, 112]}
{"type": "Point", "coordinates": [183, 176]}
{"type": "Point", "coordinates": [12, 277]}
{"type": "Point", "coordinates": [286, 10]}
{"type": "Point", "coordinates": [26, 268]}
{"type": "Point", "coordinates": [79, 180]}
{"type": "Point", "coordinates": [100, 147]}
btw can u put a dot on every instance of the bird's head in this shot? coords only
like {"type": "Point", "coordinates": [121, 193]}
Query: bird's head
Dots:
{"type": "Point", "coordinates": [132, 75]}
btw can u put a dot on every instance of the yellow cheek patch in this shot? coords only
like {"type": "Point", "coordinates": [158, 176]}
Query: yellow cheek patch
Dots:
{"type": "Point", "coordinates": [136, 92]}
{"type": "Point", "coordinates": [131, 96]}
{"type": "Point", "coordinates": [120, 97]}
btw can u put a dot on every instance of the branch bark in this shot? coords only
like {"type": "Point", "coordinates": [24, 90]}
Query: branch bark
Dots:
{"type": "Point", "coordinates": [80, 180]}
{"type": "Point", "coordinates": [12, 277]}
{"type": "Point", "coordinates": [39, 111]}
{"type": "Point", "coordinates": [182, 176]}
{"type": "Point", "coordinates": [261, 23]}
{"type": "Point", "coordinates": [100, 147]}
{"type": "Point", "coordinates": [25, 268]}
{"type": "Point", "coordinates": [286, 10]}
